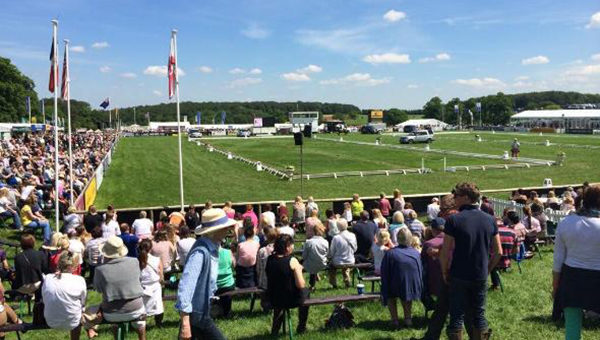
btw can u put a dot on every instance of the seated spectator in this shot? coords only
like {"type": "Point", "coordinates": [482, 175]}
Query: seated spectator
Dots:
{"type": "Point", "coordinates": [7, 314]}
{"type": "Point", "coordinates": [401, 277]}
{"type": "Point", "coordinates": [314, 254]}
{"type": "Point", "coordinates": [75, 245]}
{"type": "Point", "coordinates": [282, 210]}
{"type": "Point", "coordinates": [347, 214]}
{"type": "Point", "coordinates": [64, 296]}
{"type": "Point", "coordinates": [118, 281]}
{"type": "Point", "coordinates": [415, 243]}
{"type": "Point", "coordinates": [185, 243]}
{"type": "Point", "coordinates": [263, 255]}
{"type": "Point", "coordinates": [162, 248]}
{"type": "Point", "coordinates": [286, 286]}
{"type": "Point", "coordinates": [311, 206]}
{"type": "Point", "coordinates": [246, 260]}
{"type": "Point", "coordinates": [94, 256]}
{"type": "Point", "coordinates": [513, 221]}
{"type": "Point", "coordinates": [408, 208]}
{"type": "Point", "coordinates": [92, 219]}
{"type": "Point", "coordinates": [60, 245]}
{"type": "Point", "coordinates": [285, 227]}
{"type": "Point", "coordinates": [551, 198]}
{"type": "Point", "coordinates": [192, 218]}
{"type": "Point", "coordinates": [7, 209]}
{"type": "Point", "coordinates": [142, 227]}
{"type": "Point", "coordinates": [532, 225]}
{"type": "Point", "coordinates": [365, 231]}
{"type": "Point", "coordinates": [332, 228]}
{"type": "Point", "coordinates": [228, 209]}
{"type": "Point", "coordinates": [225, 279]}
{"type": "Point", "coordinates": [379, 219]}
{"type": "Point", "coordinates": [176, 219]}
{"type": "Point", "coordinates": [31, 220]}
{"type": "Point", "coordinates": [151, 278]}
{"type": "Point", "coordinates": [397, 223]}
{"type": "Point", "coordinates": [341, 253]}
{"type": "Point", "coordinates": [110, 227]}
{"type": "Point", "coordinates": [433, 209]}
{"type": "Point", "coordinates": [382, 244]}
{"type": "Point", "coordinates": [131, 241]}
{"type": "Point", "coordinates": [163, 220]}
{"type": "Point", "coordinates": [30, 266]}
{"type": "Point", "coordinates": [71, 221]}
{"type": "Point", "coordinates": [310, 224]}
{"type": "Point", "coordinates": [415, 226]}
{"type": "Point", "coordinates": [268, 216]}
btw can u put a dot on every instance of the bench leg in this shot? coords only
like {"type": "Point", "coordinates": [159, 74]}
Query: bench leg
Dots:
{"type": "Point", "coordinates": [122, 329]}
{"type": "Point", "coordinates": [252, 300]}
{"type": "Point", "coordinates": [288, 320]}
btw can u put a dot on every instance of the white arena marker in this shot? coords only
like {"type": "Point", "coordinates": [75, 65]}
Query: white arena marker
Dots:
{"type": "Point", "coordinates": [229, 155]}
{"type": "Point", "coordinates": [361, 174]}
{"type": "Point", "coordinates": [541, 134]}
{"type": "Point", "coordinates": [341, 139]}
{"type": "Point", "coordinates": [483, 168]}
{"type": "Point", "coordinates": [467, 168]}
{"type": "Point", "coordinates": [211, 149]}
{"type": "Point", "coordinates": [376, 142]}
{"type": "Point", "coordinates": [547, 142]}
{"type": "Point", "coordinates": [404, 172]}
{"type": "Point", "coordinates": [506, 166]}
{"type": "Point", "coordinates": [307, 177]}
{"type": "Point", "coordinates": [427, 147]}
{"type": "Point", "coordinates": [505, 156]}
{"type": "Point", "coordinates": [387, 173]}
{"type": "Point", "coordinates": [259, 166]}
{"type": "Point", "coordinates": [493, 132]}
{"type": "Point", "coordinates": [527, 165]}
{"type": "Point", "coordinates": [334, 175]}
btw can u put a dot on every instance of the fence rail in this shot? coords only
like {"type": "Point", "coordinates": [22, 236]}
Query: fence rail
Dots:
{"type": "Point", "coordinates": [499, 205]}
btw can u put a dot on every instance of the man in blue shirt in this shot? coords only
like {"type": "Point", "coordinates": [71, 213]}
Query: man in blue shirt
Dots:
{"type": "Point", "coordinates": [469, 236]}
{"type": "Point", "coordinates": [199, 278]}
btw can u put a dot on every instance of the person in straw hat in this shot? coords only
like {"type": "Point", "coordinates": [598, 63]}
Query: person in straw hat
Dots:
{"type": "Point", "coordinates": [118, 280]}
{"type": "Point", "coordinates": [199, 279]}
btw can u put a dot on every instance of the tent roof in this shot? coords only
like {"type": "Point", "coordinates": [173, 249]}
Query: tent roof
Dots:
{"type": "Point", "coordinates": [429, 121]}
{"type": "Point", "coordinates": [553, 114]}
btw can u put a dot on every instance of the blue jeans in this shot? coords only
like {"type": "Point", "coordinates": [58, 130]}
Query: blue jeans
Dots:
{"type": "Point", "coordinates": [467, 299]}
{"type": "Point", "coordinates": [15, 217]}
{"type": "Point", "coordinates": [206, 330]}
{"type": "Point", "coordinates": [45, 225]}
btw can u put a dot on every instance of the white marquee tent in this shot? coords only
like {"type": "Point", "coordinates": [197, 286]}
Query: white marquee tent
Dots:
{"type": "Point", "coordinates": [436, 125]}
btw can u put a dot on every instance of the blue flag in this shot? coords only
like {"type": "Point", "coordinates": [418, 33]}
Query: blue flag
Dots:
{"type": "Point", "coordinates": [223, 115]}
{"type": "Point", "coordinates": [105, 103]}
{"type": "Point", "coordinates": [198, 117]}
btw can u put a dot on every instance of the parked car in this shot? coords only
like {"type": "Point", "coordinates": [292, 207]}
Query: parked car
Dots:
{"type": "Point", "coordinates": [244, 133]}
{"type": "Point", "coordinates": [372, 128]}
{"type": "Point", "coordinates": [196, 134]}
{"type": "Point", "coordinates": [419, 136]}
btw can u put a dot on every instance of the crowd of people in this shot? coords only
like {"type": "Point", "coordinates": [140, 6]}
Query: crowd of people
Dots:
{"type": "Point", "coordinates": [442, 259]}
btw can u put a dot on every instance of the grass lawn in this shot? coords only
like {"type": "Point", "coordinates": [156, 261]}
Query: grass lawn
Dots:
{"type": "Point", "coordinates": [144, 171]}
{"type": "Point", "coordinates": [521, 312]}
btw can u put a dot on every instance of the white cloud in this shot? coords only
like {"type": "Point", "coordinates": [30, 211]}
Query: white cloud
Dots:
{"type": "Point", "coordinates": [77, 49]}
{"type": "Point", "coordinates": [480, 82]}
{"type": "Point", "coordinates": [310, 69]}
{"type": "Point", "coordinates": [105, 69]}
{"type": "Point", "coordinates": [237, 70]}
{"type": "Point", "coordinates": [359, 79]}
{"type": "Point", "coordinates": [255, 71]}
{"type": "Point", "coordinates": [387, 58]}
{"type": "Point", "coordinates": [129, 75]}
{"type": "Point", "coordinates": [161, 71]}
{"type": "Point", "coordinates": [244, 82]}
{"type": "Point", "coordinates": [594, 21]}
{"type": "Point", "coordinates": [157, 93]}
{"type": "Point", "coordinates": [339, 40]}
{"type": "Point", "coordinates": [595, 57]}
{"type": "Point", "coordinates": [100, 44]}
{"type": "Point", "coordinates": [393, 16]}
{"type": "Point", "coordinates": [254, 31]}
{"type": "Point", "coordinates": [540, 59]}
{"type": "Point", "coordinates": [438, 57]}
{"type": "Point", "coordinates": [586, 70]}
{"type": "Point", "coordinates": [521, 78]}
{"type": "Point", "coordinates": [205, 69]}
{"type": "Point", "coordinates": [413, 86]}
{"type": "Point", "coordinates": [295, 76]}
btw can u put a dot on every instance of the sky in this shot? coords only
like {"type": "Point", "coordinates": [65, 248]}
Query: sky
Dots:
{"type": "Point", "coordinates": [370, 53]}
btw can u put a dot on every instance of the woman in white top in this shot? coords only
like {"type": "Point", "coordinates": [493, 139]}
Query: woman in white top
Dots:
{"type": "Point", "coordinates": [142, 227]}
{"type": "Point", "coordinates": [379, 220]}
{"type": "Point", "coordinates": [151, 274]}
{"type": "Point", "coordinates": [341, 253]}
{"type": "Point", "coordinates": [64, 296]}
{"type": "Point", "coordinates": [315, 254]}
{"type": "Point", "coordinates": [380, 246]}
{"type": "Point", "coordinates": [110, 227]}
{"type": "Point", "coordinates": [185, 243]}
{"type": "Point", "coordinates": [75, 245]}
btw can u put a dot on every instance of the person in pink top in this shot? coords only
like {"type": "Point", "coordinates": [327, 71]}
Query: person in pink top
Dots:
{"type": "Point", "coordinates": [311, 222]}
{"type": "Point", "coordinates": [246, 260]}
{"type": "Point", "coordinates": [250, 213]}
{"type": "Point", "coordinates": [228, 209]}
{"type": "Point", "coordinates": [165, 250]}
{"type": "Point", "coordinates": [384, 205]}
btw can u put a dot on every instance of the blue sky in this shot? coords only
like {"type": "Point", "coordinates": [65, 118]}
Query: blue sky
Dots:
{"type": "Point", "coordinates": [371, 53]}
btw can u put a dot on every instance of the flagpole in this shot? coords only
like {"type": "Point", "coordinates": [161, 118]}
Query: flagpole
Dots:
{"type": "Point", "coordinates": [56, 167]}
{"type": "Point", "coordinates": [174, 36]}
{"type": "Point", "coordinates": [69, 121]}
{"type": "Point", "coordinates": [44, 112]}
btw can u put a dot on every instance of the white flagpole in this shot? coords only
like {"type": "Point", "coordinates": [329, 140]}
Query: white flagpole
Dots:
{"type": "Point", "coordinates": [56, 75]}
{"type": "Point", "coordinates": [174, 37]}
{"type": "Point", "coordinates": [68, 75]}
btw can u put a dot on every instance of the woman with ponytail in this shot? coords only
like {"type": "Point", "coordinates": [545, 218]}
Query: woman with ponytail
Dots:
{"type": "Point", "coordinates": [151, 275]}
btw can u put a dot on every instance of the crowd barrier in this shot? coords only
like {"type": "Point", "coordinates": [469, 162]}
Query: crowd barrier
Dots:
{"type": "Point", "coordinates": [499, 205]}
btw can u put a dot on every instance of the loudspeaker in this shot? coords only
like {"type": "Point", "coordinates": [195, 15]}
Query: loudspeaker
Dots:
{"type": "Point", "coordinates": [308, 131]}
{"type": "Point", "coordinates": [298, 138]}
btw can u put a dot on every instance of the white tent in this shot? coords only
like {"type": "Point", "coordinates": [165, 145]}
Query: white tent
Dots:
{"type": "Point", "coordinates": [558, 118]}
{"type": "Point", "coordinates": [436, 125]}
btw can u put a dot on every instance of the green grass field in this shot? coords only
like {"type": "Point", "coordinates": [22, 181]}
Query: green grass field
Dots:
{"type": "Point", "coordinates": [144, 171]}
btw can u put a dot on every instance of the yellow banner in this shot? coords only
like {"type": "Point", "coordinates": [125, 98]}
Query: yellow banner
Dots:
{"type": "Point", "coordinates": [376, 114]}
{"type": "Point", "coordinates": [90, 193]}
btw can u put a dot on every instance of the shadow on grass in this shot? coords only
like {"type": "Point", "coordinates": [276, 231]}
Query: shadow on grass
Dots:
{"type": "Point", "coordinates": [419, 322]}
{"type": "Point", "coordinates": [543, 319]}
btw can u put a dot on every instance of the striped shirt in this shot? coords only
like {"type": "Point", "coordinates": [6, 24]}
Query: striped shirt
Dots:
{"type": "Point", "coordinates": [508, 238]}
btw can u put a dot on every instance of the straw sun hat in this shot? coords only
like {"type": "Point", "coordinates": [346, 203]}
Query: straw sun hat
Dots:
{"type": "Point", "coordinates": [214, 219]}
{"type": "Point", "coordinates": [113, 248]}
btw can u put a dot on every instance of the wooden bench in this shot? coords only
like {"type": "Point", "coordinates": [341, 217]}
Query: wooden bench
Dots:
{"type": "Point", "coordinates": [370, 278]}
{"type": "Point", "coordinates": [254, 291]}
{"type": "Point", "coordinates": [357, 269]}
{"type": "Point", "coordinates": [122, 328]}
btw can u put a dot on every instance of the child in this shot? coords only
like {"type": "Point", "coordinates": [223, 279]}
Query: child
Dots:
{"type": "Point", "coordinates": [382, 244]}
{"type": "Point", "coordinates": [416, 243]}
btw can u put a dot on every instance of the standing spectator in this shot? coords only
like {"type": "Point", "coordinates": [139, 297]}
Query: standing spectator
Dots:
{"type": "Point", "coordinates": [286, 286]}
{"type": "Point", "coordinates": [347, 214]}
{"type": "Point", "coordinates": [176, 218]}
{"type": "Point", "coordinates": [379, 219]}
{"type": "Point", "coordinates": [151, 278]}
{"type": "Point", "coordinates": [110, 227]}
{"type": "Point", "coordinates": [401, 278]}
{"type": "Point", "coordinates": [92, 249]}
{"type": "Point", "coordinates": [191, 217]}
{"type": "Point", "coordinates": [380, 246]}
{"type": "Point", "coordinates": [64, 296]}
{"type": "Point", "coordinates": [315, 254]}
{"type": "Point", "coordinates": [199, 279]}
{"type": "Point", "coordinates": [433, 209]}
{"type": "Point", "coordinates": [285, 227]}
{"type": "Point", "coordinates": [7, 209]}
{"type": "Point", "coordinates": [397, 223]}
{"type": "Point", "coordinates": [515, 148]}
{"type": "Point", "coordinates": [282, 210]}
{"type": "Point", "coordinates": [31, 220]}
{"type": "Point", "coordinates": [143, 227]}
{"type": "Point", "coordinates": [184, 245]}
{"type": "Point", "coordinates": [398, 202]}
{"type": "Point", "coordinates": [408, 209]}
{"type": "Point", "coordinates": [268, 216]}
{"type": "Point", "coordinates": [299, 213]}
{"type": "Point", "coordinates": [568, 204]}
{"type": "Point", "coordinates": [332, 228]}
{"type": "Point", "coordinates": [75, 245]}
{"type": "Point", "coordinates": [415, 226]}
{"type": "Point", "coordinates": [469, 236]}
{"type": "Point", "coordinates": [30, 266]}
{"type": "Point", "coordinates": [131, 241]}
{"type": "Point", "coordinates": [357, 207]}
{"type": "Point", "coordinates": [576, 268]}
{"type": "Point", "coordinates": [246, 260]}
{"type": "Point", "coordinates": [510, 246]}
{"type": "Point", "coordinates": [365, 231]}
{"type": "Point", "coordinates": [384, 205]}
{"type": "Point", "coordinates": [250, 213]}
{"type": "Point", "coordinates": [225, 279]}
{"type": "Point", "coordinates": [92, 219]}
{"type": "Point", "coordinates": [486, 206]}
{"type": "Point", "coordinates": [311, 206]}
{"type": "Point", "coordinates": [551, 198]}
{"type": "Point", "coordinates": [165, 250]}
{"type": "Point", "coordinates": [341, 253]}
{"type": "Point", "coordinates": [447, 206]}
{"type": "Point", "coordinates": [163, 220]}
{"type": "Point", "coordinates": [228, 209]}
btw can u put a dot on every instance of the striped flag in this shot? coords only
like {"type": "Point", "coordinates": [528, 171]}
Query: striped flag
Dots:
{"type": "Point", "coordinates": [172, 69]}
{"type": "Point", "coordinates": [53, 67]}
{"type": "Point", "coordinates": [64, 89]}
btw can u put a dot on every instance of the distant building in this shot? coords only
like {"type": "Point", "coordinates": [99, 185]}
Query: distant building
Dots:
{"type": "Point", "coordinates": [558, 119]}
{"type": "Point", "coordinates": [303, 118]}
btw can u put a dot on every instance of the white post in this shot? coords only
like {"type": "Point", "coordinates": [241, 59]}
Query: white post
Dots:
{"type": "Point", "coordinates": [444, 164]}
{"type": "Point", "coordinates": [422, 164]}
{"type": "Point", "coordinates": [174, 36]}
{"type": "Point", "coordinates": [68, 80]}
{"type": "Point", "coordinates": [56, 168]}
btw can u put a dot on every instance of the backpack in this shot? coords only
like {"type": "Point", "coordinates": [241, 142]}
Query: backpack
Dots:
{"type": "Point", "coordinates": [341, 317]}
